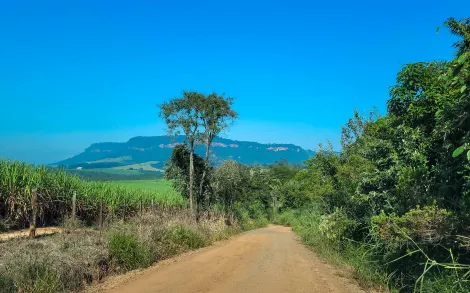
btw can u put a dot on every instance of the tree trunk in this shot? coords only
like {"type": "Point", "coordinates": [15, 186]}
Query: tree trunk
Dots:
{"type": "Point", "coordinates": [34, 208]}
{"type": "Point", "coordinates": [206, 163]}
{"type": "Point", "coordinates": [191, 177]}
{"type": "Point", "coordinates": [74, 207]}
{"type": "Point", "coordinates": [274, 208]}
{"type": "Point", "coordinates": [101, 216]}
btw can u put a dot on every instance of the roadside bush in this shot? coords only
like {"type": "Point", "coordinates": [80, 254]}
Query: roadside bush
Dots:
{"type": "Point", "coordinates": [6, 284]}
{"type": "Point", "coordinates": [361, 257]}
{"type": "Point", "coordinates": [162, 244]}
{"type": "Point", "coordinates": [3, 226]}
{"type": "Point", "coordinates": [34, 277]}
{"type": "Point", "coordinates": [226, 233]}
{"type": "Point", "coordinates": [187, 238]}
{"type": "Point", "coordinates": [427, 225]}
{"type": "Point", "coordinates": [169, 241]}
{"type": "Point", "coordinates": [251, 216]}
{"type": "Point", "coordinates": [128, 252]}
{"type": "Point", "coordinates": [444, 282]}
{"type": "Point", "coordinates": [335, 225]}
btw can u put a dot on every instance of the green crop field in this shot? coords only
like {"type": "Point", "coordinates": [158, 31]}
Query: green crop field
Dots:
{"type": "Point", "coordinates": [161, 185]}
{"type": "Point", "coordinates": [55, 189]}
{"type": "Point", "coordinates": [113, 171]}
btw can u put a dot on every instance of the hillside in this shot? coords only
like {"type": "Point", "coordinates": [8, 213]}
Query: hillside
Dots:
{"type": "Point", "coordinates": [150, 153]}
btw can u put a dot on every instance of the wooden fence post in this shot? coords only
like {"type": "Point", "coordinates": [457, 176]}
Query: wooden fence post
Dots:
{"type": "Point", "coordinates": [140, 207]}
{"type": "Point", "coordinates": [124, 212]}
{"type": "Point", "coordinates": [74, 206]}
{"type": "Point", "coordinates": [34, 207]}
{"type": "Point", "coordinates": [101, 215]}
{"type": "Point", "coordinates": [153, 207]}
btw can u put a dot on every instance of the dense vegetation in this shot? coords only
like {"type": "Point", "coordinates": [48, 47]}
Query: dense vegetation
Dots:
{"type": "Point", "coordinates": [55, 190]}
{"type": "Point", "coordinates": [66, 262]}
{"type": "Point", "coordinates": [241, 192]}
{"type": "Point", "coordinates": [131, 238]}
{"type": "Point", "coordinates": [395, 201]}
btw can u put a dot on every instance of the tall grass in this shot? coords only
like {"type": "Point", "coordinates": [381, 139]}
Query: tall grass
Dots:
{"type": "Point", "coordinates": [372, 268]}
{"type": "Point", "coordinates": [55, 189]}
{"type": "Point", "coordinates": [365, 267]}
{"type": "Point", "coordinates": [66, 262]}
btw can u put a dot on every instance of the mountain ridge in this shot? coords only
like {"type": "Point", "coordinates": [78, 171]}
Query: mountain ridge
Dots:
{"type": "Point", "coordinates": [158, 149]}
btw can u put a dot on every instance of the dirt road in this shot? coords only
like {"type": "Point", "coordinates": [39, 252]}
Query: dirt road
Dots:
{"type": "Point", "coordinates": [264, 260]}
{"type": "Point", "coordinates": [25, 233]}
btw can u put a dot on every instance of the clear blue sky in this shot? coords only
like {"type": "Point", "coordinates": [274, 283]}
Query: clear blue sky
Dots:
{"type": "Point", "coordinates": [77, 72]}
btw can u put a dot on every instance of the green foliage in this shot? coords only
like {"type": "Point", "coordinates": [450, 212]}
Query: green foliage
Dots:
{"type": "Point", "coordinates": [185, 114]}
{"type": "Point", "coordinates": [230, 182]}
{"type": "Point", "coordinates": [115, 174]}
{"type": "Point", "coordinates": [458, 151]}
{"type": "Point", "coordinates": [178, 171]}
{"type": "Point", "coordinates": [169, 241]}
{"type": "Point", "coordinates": [250, 215]}
{"type": "Point", "coordinates": [399, 189]}
{"type": "Point", "coordinates": [306, 222]}
{"type": "Point", "coordinates": [427, 225]}
{"type": "Point", "coordinates": [187, 238]}
{"type": "Point", "coordinates": [3, 226]}
{"type": "Point", "coordinates": [128, 252]}
{"type": "Point", "coordinates": [35, 277]}
{"type": "Point", "coordinates": [335, 225]}
{"type": "Point", "coordinates": [158, 185]}
{"type": "Point", "coordinates": [55, 190]}
{"type": "Point", "coordinates": [6, 284]}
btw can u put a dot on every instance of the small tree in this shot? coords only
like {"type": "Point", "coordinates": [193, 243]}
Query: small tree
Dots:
{"type": "Point", "coordinates": [184, 114]}
{"type": "Point", "coordinates": [230, 182]}
{"type": "Point", "coordinates": [216, 116]}
{"type": "Point", "coordinates": [177, 169]}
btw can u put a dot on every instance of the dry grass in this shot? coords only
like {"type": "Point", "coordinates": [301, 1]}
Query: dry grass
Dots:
{"type": "Point", "coordinates": [67, 261]}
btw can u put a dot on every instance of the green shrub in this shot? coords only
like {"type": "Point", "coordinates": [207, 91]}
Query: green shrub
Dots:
{"type": "Point", "coordinates": [187, 238]}
{"type": "Point", "coordinates": [445, 283]}
{"type": "Point", "coordinates": [34, 277]}
{"type": "Point", "coordinates": [47, 282]}
{"type": "Point", "coordinates": [251, 216]}
{"type": "Point", "coordinates": [6, 284]}
{"type": "Point", "coordinates": [307, 224]}
{"type": "Point", "coordinates": [3, 227]}
{"type": "Point", "coordinates": [226, 233]}
{"type": "Point", "coordinates": [162, 243]}
{"type": "Point", "coordinates": [167, 242]}
{"type": "Point", "coordinates": [335, 225]}
{"type": "Point", "coordinates": [428, 225]}
{"type": "Point", "coordinates": [128, 252]}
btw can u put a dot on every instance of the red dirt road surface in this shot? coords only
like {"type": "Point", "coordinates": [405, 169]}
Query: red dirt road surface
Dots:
{"type": "Point", "coordinates": [264, 260]}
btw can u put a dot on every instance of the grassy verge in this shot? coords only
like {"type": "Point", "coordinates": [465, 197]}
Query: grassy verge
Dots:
{"type": "Point", "coordinates": [358, 257]}
{"type": "Point", "coordinates": [69, 261]}
{"type": "Point", "coordinates": [369, 263]}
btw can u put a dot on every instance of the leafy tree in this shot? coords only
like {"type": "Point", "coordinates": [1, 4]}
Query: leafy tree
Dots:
{"type": "Point", "coordinates": [216, 116]}
{"type": "Point", "coordinates": [184, 114]}
{"type": "Point", "coordinates": [455, 120]}
{"type": "Point", "coordinates": [462, 30]}
{"type": "Point", "coordinates": [231, 181]}
{"type": "Point", "coordinates": [177, 169]}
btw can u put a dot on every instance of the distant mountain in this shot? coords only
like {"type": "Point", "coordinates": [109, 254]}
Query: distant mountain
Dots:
{"type": "Point", "coordinates": [150, 153]}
